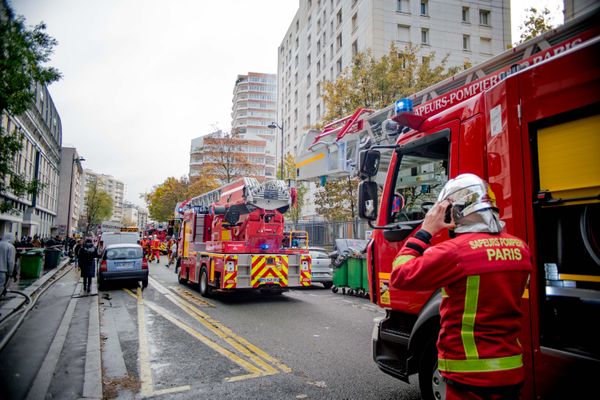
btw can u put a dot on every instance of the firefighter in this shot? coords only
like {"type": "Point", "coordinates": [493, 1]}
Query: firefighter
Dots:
{"type": "Point", "coordinates": [482, 273]}
{"type": "Point", "coordinates": [169, 243]}
{"type": "Point", "coordinates": [155, 248]}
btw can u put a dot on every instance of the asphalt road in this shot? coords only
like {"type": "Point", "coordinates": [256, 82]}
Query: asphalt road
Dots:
{"type": "Point", "coordinates": [168, 342]}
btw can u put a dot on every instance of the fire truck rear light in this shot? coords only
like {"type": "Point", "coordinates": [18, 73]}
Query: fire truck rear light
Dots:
{"type": "Point", "coordinates": [305, 265]}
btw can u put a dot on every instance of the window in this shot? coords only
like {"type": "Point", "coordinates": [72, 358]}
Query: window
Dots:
{"type": "Point", "coordinates": [339, 18]}
{"type": "Point", "coordinates": [424, 36]}
{"type": "Point", "coordinates": [354, 21]}
{"type": "Point", "coordinates": [485, 45]}
{"type": "Point", "coordinates": [403, 33]}
{"type": "Point", "coordinates": [424, 7]}
{"type": "Point", "coordinates": [318, 111]}
{"type": "Point", "coordinates": [308, 100]}
{"type": "Point", "coordinates": [318, 89]}
{"type": "Point", "coordinates": [319, 25]}
{"type": "Point", "coordinates": [331, 51]}
{"type": "Point", "coordinates": [308, 80]}
{"type": "Point", "coordinates": [318, 46]}
{"type": "Point", "coordinates": [308, 41]}
{"type": "Point", "coordinates": [484, 17]}
{"type": "Point", "coordinates": [465, 15]}
{"type": "Point", "coordinates": [402, 6]}
{"type": "Point", "coordinates": [308, 119]}
{"type": "Point", "coordinates": [339, 41]}
{"type": "Point", "coordinates": [354, 48]}
{"type": "Point", "coordinates": [308, 59]}
{"type": "Point", "coordinates": [338, 66]}
{"type": "Point", "coordinates": [297, 26]}
{"type": "Point", "coordinates": [296, 61]}
{"type": "Point", "coordinates": [466, 42]}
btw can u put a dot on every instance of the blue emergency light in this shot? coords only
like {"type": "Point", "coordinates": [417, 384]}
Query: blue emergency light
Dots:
{"type": "Point", "coordinates": [404, 105]}
{"type": "Point", "coordinates": [264, 246]}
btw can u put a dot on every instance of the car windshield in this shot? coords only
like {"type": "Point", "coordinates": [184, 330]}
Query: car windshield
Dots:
{"type": "Point", "coordinates": [124, 253]}
{"type": "Point", "coordinates": [318, 254]}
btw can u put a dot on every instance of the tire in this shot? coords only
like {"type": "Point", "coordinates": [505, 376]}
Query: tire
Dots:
{"type": "Point", "coordinates": [327, 285]}
{"type": "Point", "coordinates": [145, 283]}
{"type": "Point", "coordinates": [204, 287]}
{"type": "Point", "coordinates": [334, 289]}
{"type": "Point", "coordinates": [181, 279]}
{"type": "Point", "coordinates": [431, 382]}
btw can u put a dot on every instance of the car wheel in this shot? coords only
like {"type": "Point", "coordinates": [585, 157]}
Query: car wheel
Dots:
{"type": "Point", "coordinates": [431, 383]}
{"type": "Point", "coordinates": [334, 289]}
{"type": "Point", "coordinates": [145, 283]}
{"type": "Point", "coordinates": [205, 289]}
{"type": "Point", "coordinates": [327, 285]}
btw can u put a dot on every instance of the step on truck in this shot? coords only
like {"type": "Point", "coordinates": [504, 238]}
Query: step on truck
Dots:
{"type": "Point", "coordinates": [233, 238]}
{"type": "Point", "coordinates": [527, 121]}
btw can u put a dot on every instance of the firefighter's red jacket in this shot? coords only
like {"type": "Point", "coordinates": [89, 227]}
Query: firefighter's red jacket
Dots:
{"type": "Point", "coordinates": [482, 277]}
{"type": "Point", "coordinates": [155, 244]}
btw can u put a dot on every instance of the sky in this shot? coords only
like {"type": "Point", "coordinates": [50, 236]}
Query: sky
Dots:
{"type": "Point", "coordinates": [141, 78]}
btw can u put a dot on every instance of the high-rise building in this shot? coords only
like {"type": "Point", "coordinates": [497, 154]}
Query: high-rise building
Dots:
{"type": "Point", "coordinates": [114, 187]}
{"type": "Point", "coordinates": [254, 108]}
{"type": "Point", "coordinates": [324, 35]}
{"type": "Point", "coordinates": [230, 156]}
{"type": "Point", "coordinates": [575, 8]}
{"type": "Point", "coordinates": [69, 191]}
{"type": "Point", "coordinates": [39, 158]}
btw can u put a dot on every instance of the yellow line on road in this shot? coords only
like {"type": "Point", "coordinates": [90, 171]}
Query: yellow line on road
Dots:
{"type": "Point", "coordinates": [216, 347]}
{"type": "Point", "coordinates": [227, 334]}
{"type": "Point", "coordinates": [171, 390]}
{"type": "Point", "coordinates": [143, 354]}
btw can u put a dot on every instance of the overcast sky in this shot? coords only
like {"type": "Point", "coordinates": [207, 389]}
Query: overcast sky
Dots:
{"type": "Point", "coordinates": [142, 78]}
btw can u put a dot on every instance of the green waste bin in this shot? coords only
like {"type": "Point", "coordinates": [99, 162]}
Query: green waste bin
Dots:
{"type": "Point", "coordinates": [355, 273]}
{"type": "Point", "coordinates": [340, 275]}
{"type": "Point", "coordinates": [365, 275]}
{"type": "Point", "coordinates": [31, 263]}
{"type": "Point", "coordinates": [51, 258]}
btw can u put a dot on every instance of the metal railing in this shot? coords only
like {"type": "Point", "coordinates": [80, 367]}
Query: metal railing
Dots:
{"type": "Point", "coordinates": [323, 233]}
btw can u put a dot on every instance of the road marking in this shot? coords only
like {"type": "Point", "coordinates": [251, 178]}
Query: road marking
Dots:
{"type": "Point", "coordinates": [43, 378]}
{"type": "Point", "coordinates": [171, 390]}
{"type": "Point", "coordinates": [227, 334]}
{"type": "Point", "coordinates": [213, 345]}
{"type": "Point", "coordinates": [147, 386]}
{"type": "Point", "coordinates": [191, 297]}
{"type": "Point", "coordinates": [92, 381]}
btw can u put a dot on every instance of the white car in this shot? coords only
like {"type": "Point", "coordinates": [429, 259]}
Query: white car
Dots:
{"type": "Point", "coordinates": [321, 268]}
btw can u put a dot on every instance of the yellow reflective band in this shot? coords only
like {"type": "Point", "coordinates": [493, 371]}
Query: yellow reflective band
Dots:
{"type": "Point", "coordinates": [468, 320]}
{"type": "Point", "coordinates": [444, 294]}
{"type": "Point", "coordinates": [481, 365]}
{"type": "Point", "coordinates": [402, 260]}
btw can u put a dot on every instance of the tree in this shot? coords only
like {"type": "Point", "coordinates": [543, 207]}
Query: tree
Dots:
{"type": "Point", "coordinates": [376, 83]}
{"type": "Point", "coordinates": [289, 172]}
{"type": "Point", "coordinates": [200, 185]}
{"type": "Point", "coordinates": [98, 205]}
{"type": "Point", "coordinates": [337, 199]}
{"type": "Point", "coordinates": [226, 158]}
{"type": "Point", "coordinates": [23, 53]}
{"type": "Point", "coordinates": [127, 222]}
{"type": "Point", "coordinates": [536, 23]}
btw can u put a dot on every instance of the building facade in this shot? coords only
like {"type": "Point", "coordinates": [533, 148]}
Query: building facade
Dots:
{"type": "Point", "coordinates": [223, 155]}
{"type": "Point", "coordinates": [324, 35]}
{"type": "Point", "coordinates": [574, 8]}
{"type": "Point", "coordinates": [114, 187]}
{"type": "Point", "coordinates": [254, 108]}
{"type": "Point", "coordinates": [69, 191]}
{"type": "Point", "coordinates": [39, 158]}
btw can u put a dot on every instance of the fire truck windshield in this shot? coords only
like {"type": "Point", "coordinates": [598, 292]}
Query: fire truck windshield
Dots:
{"type": "Point", "coordinates": [419, 176]}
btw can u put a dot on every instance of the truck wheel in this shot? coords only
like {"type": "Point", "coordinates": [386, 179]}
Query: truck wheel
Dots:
{"type": "Point", "coordinates": [180, 278]}
{"type": "Point", "coordinates": [205, 289]}
{"type": "Point", "coordinates": [327, 285]}
{"type": "Point", "coordinates": [431, 383]}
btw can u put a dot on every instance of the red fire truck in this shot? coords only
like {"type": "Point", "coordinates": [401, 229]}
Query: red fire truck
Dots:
{"type": "Point", "coordinates": [527, 121]}
{"type": "Point", "coordinates": [233, 238]}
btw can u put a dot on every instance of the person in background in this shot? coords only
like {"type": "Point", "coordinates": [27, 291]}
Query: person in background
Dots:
{"type": "Point", "coordinates": [155, 248]}
{"type": "Point", "coordinates": [76, 249]}
{"type": "Point", "coordinates": [8, 255]}
{"type": "Point", "coordinates": [36, 241]}
{"type": "Point", "coordinates": [482, 273]}
{"type": "Point", "coordinates": [172, 252]}
{"type": "Point", "coordinates": [86, 260]}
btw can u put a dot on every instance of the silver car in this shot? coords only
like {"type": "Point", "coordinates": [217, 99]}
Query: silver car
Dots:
{"type": "Point", "coordinates": [322, 270]}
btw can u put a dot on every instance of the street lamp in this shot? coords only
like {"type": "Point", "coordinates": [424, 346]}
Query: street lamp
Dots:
{"type": "Point", "coordinates": [75, 160]}
{"type": "Point", "coordinates": [274, 125]}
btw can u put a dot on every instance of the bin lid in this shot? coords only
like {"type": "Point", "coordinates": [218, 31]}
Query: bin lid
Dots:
{"type": "Point", "coordinates": [351, 245]}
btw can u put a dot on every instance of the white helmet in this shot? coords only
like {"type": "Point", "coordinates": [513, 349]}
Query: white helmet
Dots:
{"type": "Point", "coordinates": [473, 204]}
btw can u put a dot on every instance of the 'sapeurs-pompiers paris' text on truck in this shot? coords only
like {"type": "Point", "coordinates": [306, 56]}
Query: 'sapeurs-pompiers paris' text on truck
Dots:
{"type": "Point", "coordinates": [528, 122]}
{"type": "Point", "coordinates": [233, 238]}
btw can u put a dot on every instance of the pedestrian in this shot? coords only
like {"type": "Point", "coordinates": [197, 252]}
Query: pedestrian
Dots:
{"type": "Point", "coordinates": [36, 241]}
{"type": "Point", "coordinates": [8, 254]}
{"type": "Point", "coordinates": [172, 252]}
{"type": "Point", "coordinates": [482, 273]}
{"type": "Point", "coordinates": [86, 260]}
{"type": "Point", "coordinates": [155, 249]}
{"type": "Point", "coordinates": [76, 248]}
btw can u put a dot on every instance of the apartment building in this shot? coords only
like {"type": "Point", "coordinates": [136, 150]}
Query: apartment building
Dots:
{"type": "Point", "coordinates": [114, 187]}
{"type": "Point", "coordinates": [325, 34]}
{"type": "Point", "coordinates": [222, 154]}
{"type": "Point", "coordinates": [254, 108]}
{"type": "Point", "coordinates": [39, 158]}
{"type": "Point", "coordinates": [70, 201]}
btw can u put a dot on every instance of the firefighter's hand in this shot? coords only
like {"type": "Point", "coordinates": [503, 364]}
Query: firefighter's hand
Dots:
{"type": "Point", "coordinates": [434, 219]}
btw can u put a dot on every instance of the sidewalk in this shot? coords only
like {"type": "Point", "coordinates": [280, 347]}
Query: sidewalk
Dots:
{"type": "Point", "coordinates": [55, 353]}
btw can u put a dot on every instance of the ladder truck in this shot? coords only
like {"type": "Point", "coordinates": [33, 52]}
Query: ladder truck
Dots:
{"type": "Point", "coordinates": [233, 238]}
{"type": "Point", "coordinates": [528, 122]}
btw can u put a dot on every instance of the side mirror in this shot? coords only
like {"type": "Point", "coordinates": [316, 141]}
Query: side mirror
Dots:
{"type": "Point", "coordinates": [367, 200]}
{"type": "Point", "coordinates": [369, 163]}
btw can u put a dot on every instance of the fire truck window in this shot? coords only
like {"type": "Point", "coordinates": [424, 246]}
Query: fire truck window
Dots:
{"type": "Point", "coordinates": [420, 177]}
{"type": "Point", "coordinates": [568, 243]}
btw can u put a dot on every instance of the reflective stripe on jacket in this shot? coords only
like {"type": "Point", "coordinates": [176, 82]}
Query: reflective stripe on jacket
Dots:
{"type": "Point", "coordinates": [483, 277]}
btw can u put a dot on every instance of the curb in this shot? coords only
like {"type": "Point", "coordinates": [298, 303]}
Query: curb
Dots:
{"type": "Point", "coordinates": [32, 289]}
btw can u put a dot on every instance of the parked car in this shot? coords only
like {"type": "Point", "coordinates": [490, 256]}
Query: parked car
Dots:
{"type": "Point", "coordinates": [122, 262]}
{"type": "Point", "coordinates": [322, 270]}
